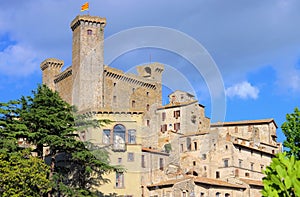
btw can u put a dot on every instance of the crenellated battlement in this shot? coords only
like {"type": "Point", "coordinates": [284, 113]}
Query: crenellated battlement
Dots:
{"type": "Point", "coordinates": [50, 68]}
{"type": "Point", "coordinates": [53, 63]}
{"type": "Point", "coordinates": [88, 20]}
{"type": "Point", "coordinates": [128, 78]}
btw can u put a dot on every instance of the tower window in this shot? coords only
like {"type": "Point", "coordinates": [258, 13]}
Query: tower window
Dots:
{"type": "Point", "coordinates": [89, 32]}
{"type": "Point", "coordinates": [133, 104]}
{"type": "Point", "coordinates": [148, 107]}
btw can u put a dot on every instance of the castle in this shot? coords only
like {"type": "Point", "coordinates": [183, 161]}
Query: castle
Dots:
{"type": "Point", "coordinates": [171, 150]}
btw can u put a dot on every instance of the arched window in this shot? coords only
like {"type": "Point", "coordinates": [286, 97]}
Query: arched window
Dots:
{"type": "Point", "coordinates": [89, 32]}
{"type": "Point", "coordinates": [227, 195]}
{"type": "Point", "coordinates": [218, 194]}
{"type": "Point", "coordinates": [119, 137]}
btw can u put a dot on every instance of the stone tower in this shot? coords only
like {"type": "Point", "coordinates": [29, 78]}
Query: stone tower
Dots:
{"type": "Point", "coordinates": [50, 68]}
{"type": "Point", "coordinates": [87, 62]}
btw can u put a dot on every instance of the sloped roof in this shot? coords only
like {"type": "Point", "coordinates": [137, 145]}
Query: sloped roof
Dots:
{"type": "Point", "coordinates": [201, 180]}
{"type": "Point", "coordinates": [154, 151]}
{"type": "Point", "coordinates": [253, 182]}
{"type": "Point", "coordinates": [168, 182]}
{"type": "Point", "coordinates": [217, 182]}
{"type": "Point", "coordinates": [177, 104]}
{"type": "Point", "coordinates": [244, 122]}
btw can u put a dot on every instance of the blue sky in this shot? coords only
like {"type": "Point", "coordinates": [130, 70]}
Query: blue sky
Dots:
{"type": "Point", "coordinates": [254, 44]}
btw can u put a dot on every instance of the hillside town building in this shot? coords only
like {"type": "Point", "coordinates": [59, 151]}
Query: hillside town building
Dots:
{"type": "Point", "coordinates": [171, 150]}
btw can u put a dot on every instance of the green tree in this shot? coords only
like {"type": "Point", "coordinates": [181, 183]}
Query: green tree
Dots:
{"type": "Point", "coordinates": [291, 129]}
{"type": "Point", "coordinates": [282, 177]}
{"type": "Point", "coordinates": [23, 175]}
{"type": "Point", "coordinates": [46, 121]}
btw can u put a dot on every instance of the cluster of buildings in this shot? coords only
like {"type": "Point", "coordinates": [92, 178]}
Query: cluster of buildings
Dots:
{"type": "Point", "coordinates": [168, 150]}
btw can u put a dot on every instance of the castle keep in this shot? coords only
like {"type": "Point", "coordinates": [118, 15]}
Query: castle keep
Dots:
{"type": "Point", "coordinates": [171, 150]}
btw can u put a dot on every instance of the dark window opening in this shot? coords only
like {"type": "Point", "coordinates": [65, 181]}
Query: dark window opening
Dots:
{"type": "Point", "coordinates": [89, 32]}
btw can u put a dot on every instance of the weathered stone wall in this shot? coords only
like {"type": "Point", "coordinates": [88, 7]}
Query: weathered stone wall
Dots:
{"type": "Point", "coordinates": [50, 68]}
{"type": "Point", "coordinates": [64, 85]}
{"type": "Point", "coordinates": [87, 61]}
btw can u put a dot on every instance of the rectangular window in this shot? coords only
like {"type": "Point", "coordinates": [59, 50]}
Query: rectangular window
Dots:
{"type": "Point", "coordinates": [131, 136]}
{"type": "Point", "coordinates": [177, 114]}
{"type": "Point", "coordinates": [133, 104]}
{"type": "Point", "coordinates": [181, 147]}
{"type": "Point", "coordinates": [119, 160]}
{"type": "Point", "coordinates": [225, 162]}
{"type": "Point", "coordinates": [188, 144]}
{"type": "Point", "coordinates": [195, 146]}
{"type": "Point", "coordinates": [143, 164]}
{"type": "Point", "coordinates": [119, 180]}
{"type": "Point", "coordinates": [161, 163]}
{"type": "Point", "coordinates": [148, 123]}
{"type": "Point", "coordinates": [130, 157]}
{"type": "Point", "coordinates": [252, 166]}
{"type": "Point", "coordinates": [163, 116]}
{"type": "Point", "coordinates": [106, 136]}
{"type": "Point", "coordinates": [217, 174]}
{"type": "Point", "coordinates": [164, 128]}
{"type": "Point", "coordinates": [176, 126]}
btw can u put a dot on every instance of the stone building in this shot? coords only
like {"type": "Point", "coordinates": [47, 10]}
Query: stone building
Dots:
{"type": "Point", "coordinates": [170, 150]}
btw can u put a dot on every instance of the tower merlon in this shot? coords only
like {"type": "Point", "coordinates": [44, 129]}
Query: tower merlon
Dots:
{"type": "Point", "coordinates": [52, 62]}
{"type": "Point", "coordinates": [86, 19]}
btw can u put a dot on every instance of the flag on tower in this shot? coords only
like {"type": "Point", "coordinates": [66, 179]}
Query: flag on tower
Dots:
{"type": "Point", "coordinates": [85, 6]}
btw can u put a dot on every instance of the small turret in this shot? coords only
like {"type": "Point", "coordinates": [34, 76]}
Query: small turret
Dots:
{"type": "Point", "coordinates": [50, 68]}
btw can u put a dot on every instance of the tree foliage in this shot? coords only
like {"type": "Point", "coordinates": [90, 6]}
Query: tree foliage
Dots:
{"type": "Point", "coordinates": [23, 175]}
{"type": "Point", "coordinates": [282, 177]}
{"type": "Point", "coordinates": [291, 129]}
{"type": "Point", "coordinates": [45, 121]}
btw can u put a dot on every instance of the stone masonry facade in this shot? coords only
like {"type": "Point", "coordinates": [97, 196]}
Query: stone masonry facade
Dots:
{"type": "Point", "coordinates": [170, 150]}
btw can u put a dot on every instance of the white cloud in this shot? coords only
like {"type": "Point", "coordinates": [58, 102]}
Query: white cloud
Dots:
{"type": "Point", "coordinates": [18, 60]}
{"type": "Point", "coordinates": [243, 90]}
{"type": "Point", "coordinates": [288, 79]}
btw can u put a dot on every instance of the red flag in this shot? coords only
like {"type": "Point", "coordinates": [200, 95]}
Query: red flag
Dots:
{"type": "Point", "coordinates": [85, 6]}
